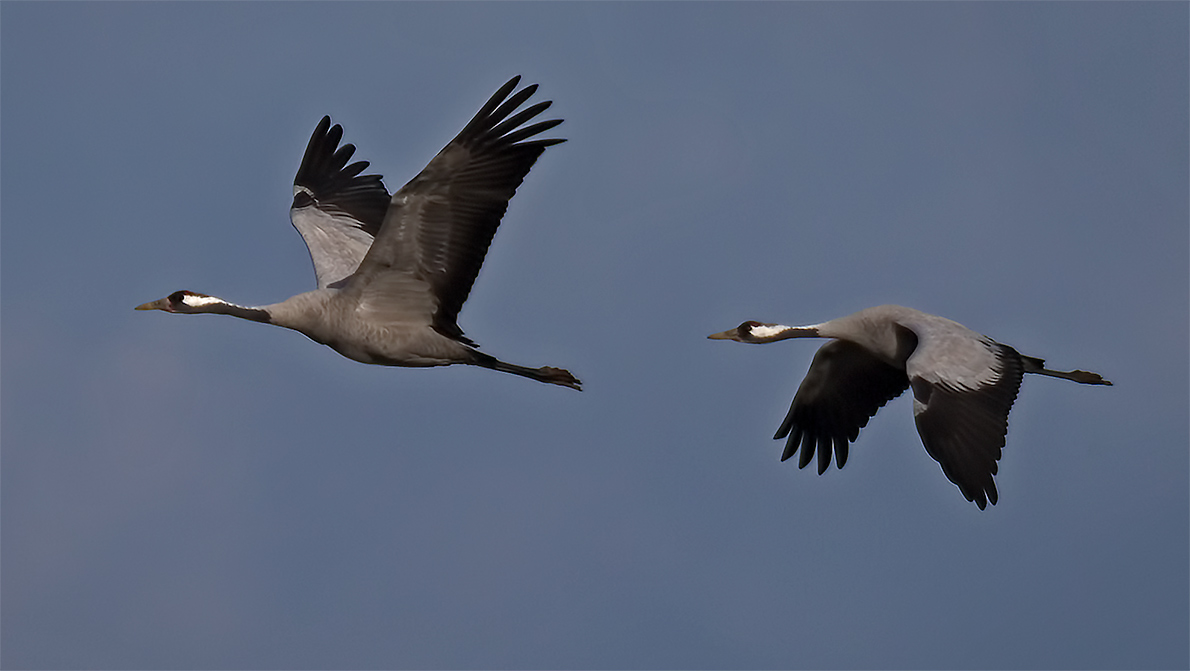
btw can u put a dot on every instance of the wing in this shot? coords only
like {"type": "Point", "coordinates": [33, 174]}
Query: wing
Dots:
{"type": "Point", "coordinates": [843, 389]}
{"type": "Point", "coordinates": [439, 225]}
{"type": "Point", "coordinates": [336, 210]}
{"type": "Point", "coordinates": [961, 412]}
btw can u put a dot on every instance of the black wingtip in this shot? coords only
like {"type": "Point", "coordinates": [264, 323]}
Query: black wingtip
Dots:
{"type": "Point", "coordinates": [328, 181]}
{"type": "Point", "coordinates": [824, 454]}
{"type": "Point", "coordinates": [840, 451]}
{"type": "Point", "coordinates": [807, 451]}
{"type": "Point", "coordinates": [791, 443]}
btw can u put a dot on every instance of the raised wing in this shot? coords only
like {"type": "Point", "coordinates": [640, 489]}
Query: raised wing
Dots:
{"type": "Point", "coordinates": [336, 210]}
{"type": "Point", "coordinates": [845, 386]}
{"type": "Point", "coordinates": [439, 225]}
{"type": "Point", "coordinates": [961, 411]}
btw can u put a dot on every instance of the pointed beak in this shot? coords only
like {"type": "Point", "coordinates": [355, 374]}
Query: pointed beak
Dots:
{"type": "Point", "coordinates": [733, 334]}
{"type": "Point", "coordinates": [160, 304]}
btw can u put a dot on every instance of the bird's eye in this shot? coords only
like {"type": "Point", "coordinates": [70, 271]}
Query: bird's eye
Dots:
{"type": "Point", "coordinates": [176, 297]}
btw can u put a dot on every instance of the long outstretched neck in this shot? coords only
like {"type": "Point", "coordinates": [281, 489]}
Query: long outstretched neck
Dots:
{"type": "Point", "coordinates": [547, 374]}
{"type": "Point", "coordinates": [189, 302]}
{"type": "Point", "coordinates": [1037, 366]}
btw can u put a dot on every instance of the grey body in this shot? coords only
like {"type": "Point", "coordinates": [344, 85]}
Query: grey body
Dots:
{"type": "Point", "coordinates": [963, 386]}
{"type": "Point", "coordinates": [349, 326]}
{"type": "Point", "coordinates": [393, 272]}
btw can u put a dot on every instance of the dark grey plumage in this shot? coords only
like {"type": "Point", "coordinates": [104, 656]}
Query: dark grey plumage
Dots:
{"type": "Point", "coordinates": [964, 385]}
{"type": "Point", "coordinates": [825, 412]}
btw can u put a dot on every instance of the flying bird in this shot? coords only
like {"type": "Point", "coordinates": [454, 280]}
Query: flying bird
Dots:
{"type": "Point", "coordinates": [963, 386]}
{"type": "Point", "coordinates": [393, 273]}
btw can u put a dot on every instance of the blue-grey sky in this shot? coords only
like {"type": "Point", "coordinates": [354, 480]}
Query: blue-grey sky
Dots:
{"type": "Point", "coordinates": [203, 492]}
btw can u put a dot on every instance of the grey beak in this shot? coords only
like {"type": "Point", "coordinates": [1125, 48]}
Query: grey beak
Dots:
{"type": "Point", "coordinates": [159, 304]}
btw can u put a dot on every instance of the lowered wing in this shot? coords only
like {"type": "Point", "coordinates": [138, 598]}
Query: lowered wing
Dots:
{"type": "Point", "coordinates": [845, 386]}
{"type": "Point", "coordinates": [961, 401]}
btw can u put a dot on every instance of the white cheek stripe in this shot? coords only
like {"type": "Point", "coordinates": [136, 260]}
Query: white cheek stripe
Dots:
{"type": "Point", "coordinates": [768, 331]}
{"type": "Point", "coordinates": [199, 301]}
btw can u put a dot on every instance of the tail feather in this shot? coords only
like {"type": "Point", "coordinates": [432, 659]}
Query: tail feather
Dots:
{"type": "Point", "coordinates": [1037, 366]}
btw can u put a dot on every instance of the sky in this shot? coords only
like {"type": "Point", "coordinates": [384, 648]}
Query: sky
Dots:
{"type": "Point", "coordinates": [184, 492]}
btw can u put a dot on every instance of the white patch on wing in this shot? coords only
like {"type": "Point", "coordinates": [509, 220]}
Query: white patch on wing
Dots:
{"type": "Point", "coordinates": [199, 301]}
{"type": "Point", "coordinates": [298, 188]}
{"type": "Point", "coordinates": [768, 331]}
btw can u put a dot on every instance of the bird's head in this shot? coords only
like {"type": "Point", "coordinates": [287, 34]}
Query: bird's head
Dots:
{"type": "Point", "coordinates": [749, 331]}
{"type": "Point", "coordinates": [182, 302]}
